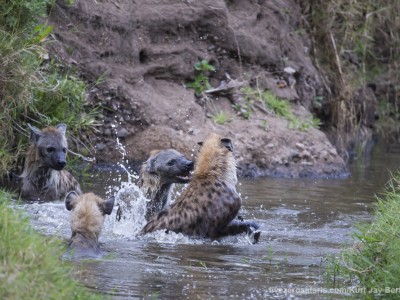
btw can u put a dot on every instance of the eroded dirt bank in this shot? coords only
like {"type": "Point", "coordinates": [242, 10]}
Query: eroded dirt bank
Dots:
{"type": "Point", "coordinates": [146, 51]}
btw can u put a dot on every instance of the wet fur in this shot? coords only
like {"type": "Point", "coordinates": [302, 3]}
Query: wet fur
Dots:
{"type": "Point", "coordinates": [40, 181]}
{"type": "Point", "coordinates": [157, 186]}
{"type": "Point", "coordinates": [87, 218]}
{"type": "Point", "coordinates": [209, 205]}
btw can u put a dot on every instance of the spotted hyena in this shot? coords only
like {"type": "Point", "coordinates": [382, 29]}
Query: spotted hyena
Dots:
{"type": "Point", "coordinates": [44, 177]}
{"type": "Point", "coordinates": [87, 217]}
{"type": "Point", "coordinates": [158, 174]}
{"type": "Point", "coordinates": [209, 205]}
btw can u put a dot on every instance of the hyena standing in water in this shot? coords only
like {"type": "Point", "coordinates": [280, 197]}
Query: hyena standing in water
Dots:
{"type": "Point", "coordinates": [209, 205]}
{"type": "Point", "coordinates": [87, 217]}
{"type": "Point", "coordinates": [43, 177]}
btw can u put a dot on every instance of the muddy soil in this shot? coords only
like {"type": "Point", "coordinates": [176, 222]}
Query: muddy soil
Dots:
{"type": "Point", "coordinates": [146, 52]}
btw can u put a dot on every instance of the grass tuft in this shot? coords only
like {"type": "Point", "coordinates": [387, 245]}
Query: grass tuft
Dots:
{"type": "Point", "coordinates": [30, 265]}
{"type": "Point", "coordinates": [373, 262]}
{"type": "Point", "coordinates": [221, 118]}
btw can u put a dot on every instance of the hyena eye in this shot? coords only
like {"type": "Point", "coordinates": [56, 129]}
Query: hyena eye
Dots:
{"type": "Point", "coordinates": [171, 162]}
{"type": "Point", "coordinates": [50, 149]}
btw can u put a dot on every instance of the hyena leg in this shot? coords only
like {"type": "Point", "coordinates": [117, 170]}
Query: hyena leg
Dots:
{"type": "Point", "coordinates": [237, 227]}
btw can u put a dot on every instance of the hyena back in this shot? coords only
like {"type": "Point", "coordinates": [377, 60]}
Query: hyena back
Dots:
{"type": "Point", "coordinates": [209, 205]}
{"type": "Point", "coordinates": [43, 177]}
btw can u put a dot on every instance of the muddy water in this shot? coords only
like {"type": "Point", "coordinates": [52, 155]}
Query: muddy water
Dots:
{"type": "Point", "coordinates": [302, 221]}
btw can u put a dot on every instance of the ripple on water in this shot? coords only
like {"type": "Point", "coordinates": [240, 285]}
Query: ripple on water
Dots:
{"type": "Point", "coordinates": [302, 221]}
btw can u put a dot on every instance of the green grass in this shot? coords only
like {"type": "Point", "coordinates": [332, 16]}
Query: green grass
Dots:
{"type": "Point", "coordinates": [30, 265]}
{"type": "Point", "coordinates": [33, 90]}
{"type": "Point", "coordinates": [277, 106]}
{"type": "Point", "coordinates": [374, 261]}
{"type": "Point", "coordinates": [221, 118]}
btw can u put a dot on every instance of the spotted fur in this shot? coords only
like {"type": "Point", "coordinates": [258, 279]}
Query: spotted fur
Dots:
{"type": "Point", "coordinates": [44, 177]}
{"type": "Point", "coordinates": [87, 217]}
{"type": "Point", "coordinates": [209, 205]}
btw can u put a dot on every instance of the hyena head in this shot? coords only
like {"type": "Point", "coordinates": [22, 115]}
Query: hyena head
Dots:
{"type": "Point", "coordinates": [50, 145]}
{"type": "Point", "coordinates": [216, 160]}
{"type": "Point", "coordinates": [88, 213]}
{"type": "Point", "coordinates": [170, 166]}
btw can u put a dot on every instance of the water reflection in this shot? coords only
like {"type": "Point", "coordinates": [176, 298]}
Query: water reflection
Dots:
{"type": "Point", "coordinates": [302, 221]}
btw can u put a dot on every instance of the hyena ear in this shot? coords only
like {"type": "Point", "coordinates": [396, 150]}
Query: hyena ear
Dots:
{"type": "Point", "coordinates": [108, 205]}
{"type": "Point", "coordinates": [62, 128]}
{"type": "Point", "coordinates": [35, 134]}
{"type": "Point", "coordinates": [228, 144]}
{"type": "Point", "coordinates": [154, 152]}
{"type": "Point", "coordinates": [70, 199]}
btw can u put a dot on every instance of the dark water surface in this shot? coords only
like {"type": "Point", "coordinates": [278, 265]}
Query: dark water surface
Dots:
{"type": "Point", "coordinates": [302, 221]}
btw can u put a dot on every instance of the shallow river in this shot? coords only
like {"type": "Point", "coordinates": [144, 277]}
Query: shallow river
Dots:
{"type": "Point", "coordinates": [302, 221]}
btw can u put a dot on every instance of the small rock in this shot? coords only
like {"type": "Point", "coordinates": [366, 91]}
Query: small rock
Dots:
{"type": "Point", "coordinates": [333, 151]}
{"type": "Point", "coordinates": [294, 153]}
{"type": "Point", "coordinates": [122, 132]}
{"type": "Point", "coordinates": [289, 70]}
{"type": "Point", "coordinates": [100, 146]}
{"type": "Point", "coordinates": [107, 132]}
{"type": "Point", "coordinates": [300, 146]}
{"type": "Point", "coordinates": [115, 105]}
{"type": "Point", "coordinates": [305, 154]}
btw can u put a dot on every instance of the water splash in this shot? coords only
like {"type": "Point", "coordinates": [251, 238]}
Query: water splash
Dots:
{"type": "Point", "coordinates": [128, 216]}
{"type": "Point", "coordinates": [49, 218]}
{"type": "Point", "coordinates": [129, 210]}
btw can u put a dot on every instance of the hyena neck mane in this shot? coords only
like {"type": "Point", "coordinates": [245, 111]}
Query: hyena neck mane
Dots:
{"type": "Point", "coordinates": [40, 175]}
{"type": "Point", "coordinates": [216, 161]}
{"type": "Point", "coordinates": [155, 190]}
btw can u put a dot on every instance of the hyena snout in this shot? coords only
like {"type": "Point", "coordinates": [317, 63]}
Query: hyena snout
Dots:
{"type": "Point", "coordinates": [59, 161]}
{"type": "Point", "coordinates": [189, 165]}
{"type": "Point", "coordinates": [184, 167]}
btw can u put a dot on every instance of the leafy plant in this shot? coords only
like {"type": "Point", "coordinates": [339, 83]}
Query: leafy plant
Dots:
{"type": "Point", "coordinates": [21, 15]}
{"type": "Point", "coordinates": [31, 90]}
{"type": "Point", "coordinates": [63, 98]}
{"type": "Point", "coordinates": [201, 82]}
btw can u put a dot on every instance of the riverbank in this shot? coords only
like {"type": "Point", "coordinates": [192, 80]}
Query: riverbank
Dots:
{"type": "Point", "coordinates": [30, 264]}
{"type": "Point", "coordinates": [373, 261]}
